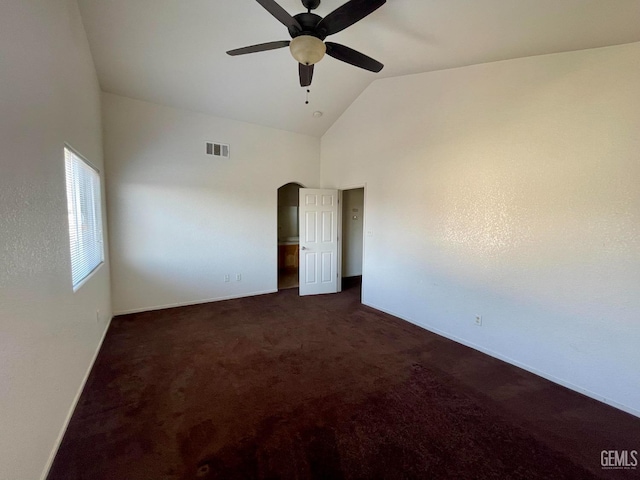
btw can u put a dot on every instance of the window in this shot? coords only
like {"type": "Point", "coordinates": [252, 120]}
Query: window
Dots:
{"type": "Point", "coordinates": [85, 217]}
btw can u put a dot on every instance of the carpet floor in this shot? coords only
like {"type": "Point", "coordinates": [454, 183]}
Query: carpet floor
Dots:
{"type": "Point", "coordinates": [279, 386]}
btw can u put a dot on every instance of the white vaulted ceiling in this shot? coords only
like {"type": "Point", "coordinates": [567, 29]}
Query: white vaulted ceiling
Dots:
{"type": "Point", "coordinates": [172, 52]}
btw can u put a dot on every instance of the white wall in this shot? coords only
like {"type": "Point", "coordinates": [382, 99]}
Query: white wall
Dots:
{"type": "Point", "coordinates": [49, 335]}
{"type": "Point", "coordinates": [509, 190]}
{"type": "Point", "coordinates": [180, 220]}
{"type": "Point", "coordinates": [352, 225]}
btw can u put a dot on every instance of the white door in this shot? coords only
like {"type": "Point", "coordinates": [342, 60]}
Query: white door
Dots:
{"type": "Point", "coordinates": [318, 241]}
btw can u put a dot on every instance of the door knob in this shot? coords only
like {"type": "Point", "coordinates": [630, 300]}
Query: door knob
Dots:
{"type": "Point", "coordinates": [304, 248]}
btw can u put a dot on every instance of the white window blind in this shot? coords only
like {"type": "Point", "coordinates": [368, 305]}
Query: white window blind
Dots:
{"type": "Point", "coordinates": [85, 217]}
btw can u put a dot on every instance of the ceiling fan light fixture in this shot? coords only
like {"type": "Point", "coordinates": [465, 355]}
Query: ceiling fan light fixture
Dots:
{"type": "Point", "coordinates": [307, 49]}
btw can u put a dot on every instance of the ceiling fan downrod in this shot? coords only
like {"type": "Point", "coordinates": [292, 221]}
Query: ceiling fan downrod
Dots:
{"type": "Point", "coordinates": [311, 4]}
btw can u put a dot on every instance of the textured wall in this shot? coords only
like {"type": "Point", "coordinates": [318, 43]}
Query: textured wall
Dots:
{"type": "Point", "coordinates": [180, 220]}
{"type": "Point", "coordinates": [49, 95]}
{"type": "Point", "coordinates": [508, 190]}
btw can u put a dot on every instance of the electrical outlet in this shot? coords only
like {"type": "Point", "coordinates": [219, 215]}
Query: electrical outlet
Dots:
{"type": "Point", "coordinates": [227, 278]}
{"type": "Point", "coordinates": [239, 277]}
{"type": "Point", "coordinates": [479, 320]}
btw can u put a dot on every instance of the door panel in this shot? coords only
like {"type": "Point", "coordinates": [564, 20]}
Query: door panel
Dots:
{"type": "Point", "coordinates": [310, 263]}
{"type": "Point", "coordinates": [327, 226]}
{"type": "Point", "coordinates": [327, 270]}
{"type": "Point", "coordinates": [319, 244]}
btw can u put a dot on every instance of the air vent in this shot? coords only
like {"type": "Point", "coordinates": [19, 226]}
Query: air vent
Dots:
{"type": "Point", "coordinates": [218, 149]}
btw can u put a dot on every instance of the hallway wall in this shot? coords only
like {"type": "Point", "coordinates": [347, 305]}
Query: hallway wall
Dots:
{"type": "Point", "coordinates": [352, 231]}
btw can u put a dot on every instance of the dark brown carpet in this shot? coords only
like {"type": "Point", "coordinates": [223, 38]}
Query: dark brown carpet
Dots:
{"type": "Point", "coordinates": [279, 386]}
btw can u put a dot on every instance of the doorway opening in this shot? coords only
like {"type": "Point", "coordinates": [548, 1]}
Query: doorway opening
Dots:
{"type": "Point", "coordinates": [352, 237]}
{"type": "Point", "coordinates": [288, 235]}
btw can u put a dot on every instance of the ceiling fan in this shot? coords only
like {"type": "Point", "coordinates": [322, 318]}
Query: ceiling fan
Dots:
{"type": "Point", "coordinates": [308, 31]}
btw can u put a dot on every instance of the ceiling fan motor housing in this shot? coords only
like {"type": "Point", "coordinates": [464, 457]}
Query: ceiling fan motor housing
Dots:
{"type": "Point", "coordinates": [307, 45]}
{"type": "Point", "coordinates": [308, 22]}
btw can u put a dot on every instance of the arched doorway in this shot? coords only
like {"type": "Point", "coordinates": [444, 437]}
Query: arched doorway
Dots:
{"type": "Point", "coordinates": [288, 235]}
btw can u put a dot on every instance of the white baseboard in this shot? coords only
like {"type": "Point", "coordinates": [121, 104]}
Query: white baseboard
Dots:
{"type": "Point", "coordinates": [194, 302]}
{"type": "Point", "coordinates": [528, 368]}
{"type": "Point", "coordinates": [76, 399]}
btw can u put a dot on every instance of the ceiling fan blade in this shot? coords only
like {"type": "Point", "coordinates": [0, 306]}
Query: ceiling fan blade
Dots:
{"type": "Point", "coordinates": [262, 47]}
{"type": "Point", "coordinates": [306, 74]}
{"type": "Point", "coordinates": [353, 57]}
{"type": "Point", "coordinates": [351, 12]}
{"type": "Point", "coordinates": [281, 15]}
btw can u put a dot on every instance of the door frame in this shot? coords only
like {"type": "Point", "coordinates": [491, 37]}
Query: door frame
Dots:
{"type": "Point", "coordinates": [277, 239]}
{"type": "Point", "coordinates": [364, 229]}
